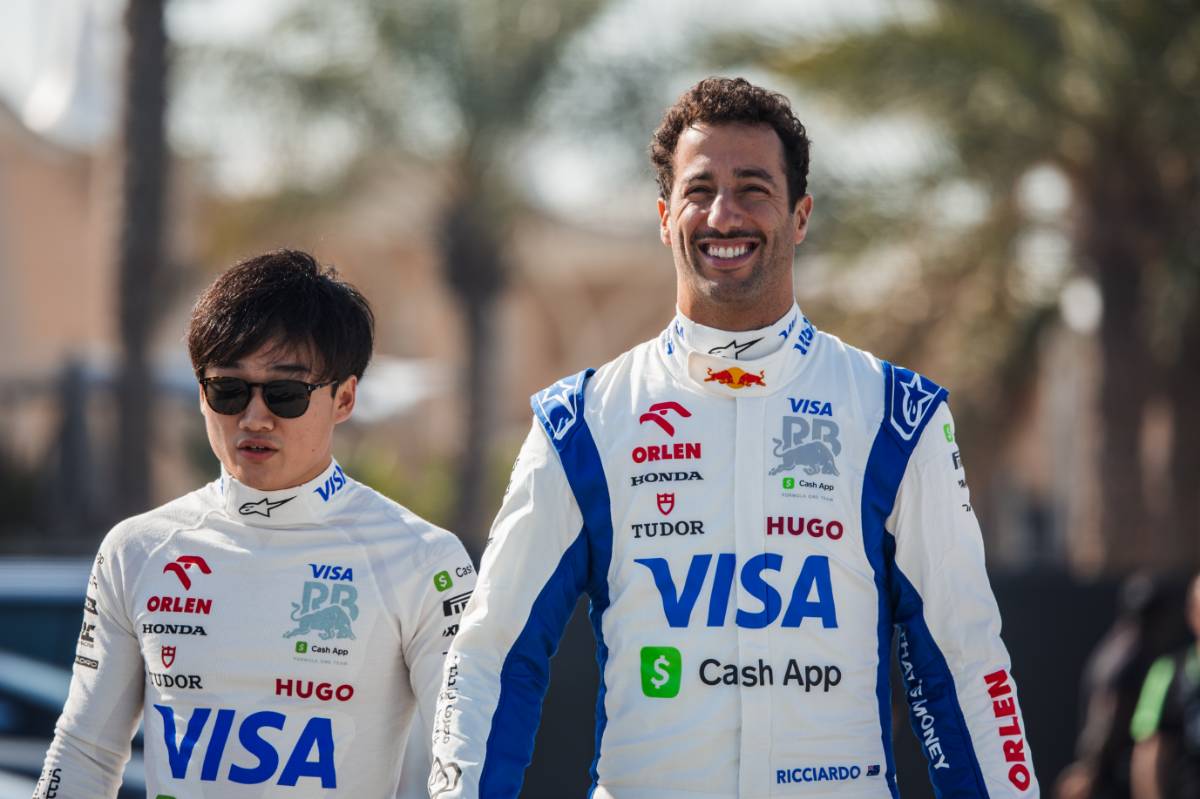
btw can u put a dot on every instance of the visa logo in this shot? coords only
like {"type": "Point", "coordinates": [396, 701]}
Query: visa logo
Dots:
{"type": "Point", "coordinates": [811, 406]}
{"type": "Point", "coordinates": [311, 754]}
{"type": "Point", "coordinates": [811, 595]}
{"type": "Point", "coordinates": [323, 571]}
{"type": "Point", "coordinates": [333, 484]}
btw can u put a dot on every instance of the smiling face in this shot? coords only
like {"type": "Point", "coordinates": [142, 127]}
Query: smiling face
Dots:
{"type": "Point", "coordinates": [730, 227]}
{"type": "Point", "coordinates": [262, 450]}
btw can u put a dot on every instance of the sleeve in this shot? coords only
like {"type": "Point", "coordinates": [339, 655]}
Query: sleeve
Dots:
{"type": "Point", "coordinates": [446, 581]}
{"type": "Point", "coordinates": [92, 737]}
{"type": "Point", "coordinates": [957, 675]}
{"type": "Point", "coordinates": [1148, 717]}
{"type": "Point", "coordinates": [497, 670]}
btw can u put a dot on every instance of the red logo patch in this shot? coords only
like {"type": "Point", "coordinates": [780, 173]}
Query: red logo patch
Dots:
{"type": "Point", "coordinates": [181, 564]}
{"type": "Point", "coordinates": [658, 412]}
{"type": "Point", "coordinates": [735, 378]}
{"type": "Point", "coordinates": [666, 503]}
{"type": "Point", "coordinates": [168, 656]}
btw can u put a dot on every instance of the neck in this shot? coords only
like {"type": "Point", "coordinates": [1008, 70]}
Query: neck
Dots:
{"type": "Point", "coordinates": [733, 316]}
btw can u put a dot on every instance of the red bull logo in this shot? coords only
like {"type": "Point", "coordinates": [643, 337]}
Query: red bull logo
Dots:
{"type": "Point", "coordinates": [735, 378]}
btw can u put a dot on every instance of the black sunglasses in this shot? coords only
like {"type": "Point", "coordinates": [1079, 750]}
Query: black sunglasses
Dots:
{"type": "Point", "coordinates": [287, 399]}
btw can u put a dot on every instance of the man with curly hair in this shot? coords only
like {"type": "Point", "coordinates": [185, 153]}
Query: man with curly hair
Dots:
{"type": "Point", "coordinates": [756, 511]}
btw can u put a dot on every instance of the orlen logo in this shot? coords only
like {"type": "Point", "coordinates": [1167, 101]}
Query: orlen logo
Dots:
{"type": "Point", "coordinates": [1005, 710]}
{"type": "Point", "coordinates": [799, 525]}
{"type": "Point", "coordinates": [309, 754]}
{"type": "Point", "coordinates": [307, 689]}
{"type": "Point", "coordinates": [333, 484]}
{"type": "Point", "coordinates": [179, 604]}
{"type": "Point", "coordinates": [179, 567]}
{"type": "Point", "coordinates": [666, 452]}
{"type": "Point", "coordinates": [811, 593]}
{"type": "Point", "coordinates": [658, 414]}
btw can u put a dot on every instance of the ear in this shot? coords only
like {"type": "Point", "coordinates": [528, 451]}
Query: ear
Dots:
{"type": "Point", "coordinates": [800, 216]}
{"type": "Point", "coordinates": [343, 399]}
{"type": "Point", "coordinates": [664, 229]}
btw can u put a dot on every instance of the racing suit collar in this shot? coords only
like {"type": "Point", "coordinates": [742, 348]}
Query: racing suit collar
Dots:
{"type": "Point", "coordinates": [308, 504]}
{"type": "Point", "coordinates": [716, 361]}
{"type": "Point", "coordinates": [743, 345]}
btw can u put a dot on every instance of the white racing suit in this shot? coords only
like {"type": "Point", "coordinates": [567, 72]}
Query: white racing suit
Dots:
{"type": "Point", "coordinates": [751, 534]}
{"type": "Point", "coordinates": [276, 644]}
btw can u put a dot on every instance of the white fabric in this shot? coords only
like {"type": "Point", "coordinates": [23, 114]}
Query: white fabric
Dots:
{"type": "Point", "coordinates": [201, 611]}
{"type": "Point", "coordinates": [773, 467]}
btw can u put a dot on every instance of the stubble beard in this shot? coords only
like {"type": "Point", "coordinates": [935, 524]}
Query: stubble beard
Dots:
{"type": "Point", "coordinates": [725, 291]}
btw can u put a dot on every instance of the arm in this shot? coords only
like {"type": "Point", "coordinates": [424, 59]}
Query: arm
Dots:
{"type": "Point", "coordinates": [446, 582]}
{"type": "Point", "coordinates": [92, 737]}
{"type": "Point", "coordinates": [497, 669]}
{"type": "Point", "coordinates": [962, 696]}
{"type": "Point", "coordinates": [1150, 720]}
{"type": "Point", "coordinates": [1144, 770]}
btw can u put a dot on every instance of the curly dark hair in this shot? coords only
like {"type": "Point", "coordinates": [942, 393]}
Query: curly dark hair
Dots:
{"type": "Point", "coordinates": [284, 297]}
{"type": "Point", "coordinates": [717, 101]}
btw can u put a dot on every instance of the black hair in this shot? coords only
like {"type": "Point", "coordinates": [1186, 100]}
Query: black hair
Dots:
{"type": "Point", "coordinates": [285, 298]}
{"type": "Point", "coordinates": [724, 101]}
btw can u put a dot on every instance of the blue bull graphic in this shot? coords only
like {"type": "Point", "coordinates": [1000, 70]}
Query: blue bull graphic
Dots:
{"type": "Point", "coordinates": [811, 444]}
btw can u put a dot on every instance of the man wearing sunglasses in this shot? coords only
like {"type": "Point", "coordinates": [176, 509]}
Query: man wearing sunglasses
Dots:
{"type": "Point", "coordinates": [282, 629]}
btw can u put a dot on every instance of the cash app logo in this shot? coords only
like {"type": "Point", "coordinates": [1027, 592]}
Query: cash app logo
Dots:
{"type": "Point", "coordinates": [442, 581]}
{"type": "Point", "coordinates": [301, 647]}
{"type": "Point", "coordinates": [662, 669]}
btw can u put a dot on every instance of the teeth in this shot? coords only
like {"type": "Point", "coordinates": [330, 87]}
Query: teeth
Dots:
{"type": "Point", "coordinates": [729, 252]}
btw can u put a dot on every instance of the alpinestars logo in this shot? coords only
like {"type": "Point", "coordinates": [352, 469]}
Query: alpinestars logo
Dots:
{"type": "Point", "coordinates": [735, 346]}
{"type": "Point", "coordinates": [262, 508]}
{"type": "Point", "coordinates": [910, 406]}
{"type": "Point", "coordinates": [658, 414]}
{"type": "Point", "coordinates": [559, 404]}
{"type": "Point", "coordinates": [179, 567]}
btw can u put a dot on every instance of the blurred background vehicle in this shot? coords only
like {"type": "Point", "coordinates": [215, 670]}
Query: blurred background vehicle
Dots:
{"type": "Point", "coordinates": [41, 609]}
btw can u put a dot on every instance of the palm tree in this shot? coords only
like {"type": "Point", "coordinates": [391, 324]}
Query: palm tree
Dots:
{"type": "Point", "coordinates": [144, 151]}
{"type": "Point", "coordinates": [473, 73]}
{"type": "Point", "coordinates": [1107, 94]}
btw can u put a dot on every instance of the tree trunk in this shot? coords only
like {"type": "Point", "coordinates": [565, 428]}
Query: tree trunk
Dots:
{"type": "Point", "coordinates": [1184, 388]}
{"type": "Point", "coordinates": [1110, 241]}
{"type": "Point", "coordinates": [474, 270]}
{"type": "Point", "coordinates": [141, 245]}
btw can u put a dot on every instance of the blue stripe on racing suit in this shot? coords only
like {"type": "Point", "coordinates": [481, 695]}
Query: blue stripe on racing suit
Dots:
{"type": "Point", "coordinates": [899, 603]}
{"type": "Point", "coordinates": [583, 567]}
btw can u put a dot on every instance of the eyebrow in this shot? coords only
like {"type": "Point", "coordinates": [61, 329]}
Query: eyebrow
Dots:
{"type": "Point", "coordinates": [740, 172]}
